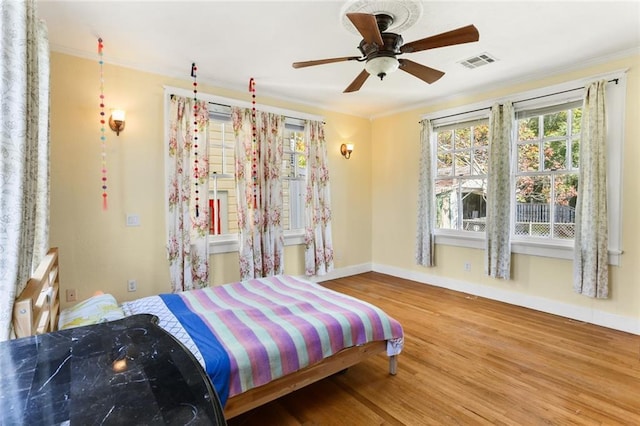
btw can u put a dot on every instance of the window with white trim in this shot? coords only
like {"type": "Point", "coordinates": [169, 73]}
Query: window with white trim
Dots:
{"type": "Point", "coordinates": [294, 176]}
{"type": "Point", "coordinates": [461, 175]}
{"type": "Point", "coordinates": [544, 171]}
{"type": "Point", "coordinates": [546, 160]}
{"type": "Point", "coordinates": [223, 214]}
{"type": "Point", "coordinates": [222, 185]}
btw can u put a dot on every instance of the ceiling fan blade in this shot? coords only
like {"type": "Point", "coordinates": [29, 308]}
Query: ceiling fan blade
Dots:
{"type": "Point", "coordinates": [358, 82]}
{"type": "Point", "coordinates": [367, 26]}
{"type": "Point", "coordinates": [423, 72]}
{"type": "Point", "coordinates": [323, 61]}
{"type": "Point", "coordinates": [458, 36]}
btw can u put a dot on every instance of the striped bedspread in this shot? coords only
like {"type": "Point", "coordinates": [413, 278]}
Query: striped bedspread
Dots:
{"type": "Point", "coordinates": [262, 329]}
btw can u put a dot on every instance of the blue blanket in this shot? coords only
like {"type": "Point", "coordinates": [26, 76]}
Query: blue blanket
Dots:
{"type": "Point", "coordinates": [216, 358]}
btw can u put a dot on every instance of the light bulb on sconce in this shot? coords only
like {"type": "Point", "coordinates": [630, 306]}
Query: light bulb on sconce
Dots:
{"type": "Point", "coordinates": [116, 121]}
{"type": "Point", "coordinates": [346, 149]}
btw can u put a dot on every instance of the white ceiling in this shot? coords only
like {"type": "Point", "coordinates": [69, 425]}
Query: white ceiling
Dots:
{"type": "Point", "coordinates": [232, 41]}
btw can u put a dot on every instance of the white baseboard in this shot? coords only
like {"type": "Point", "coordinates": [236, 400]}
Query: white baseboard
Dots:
{"type": "Point", "coordinates": [342, 272]}
{"type": "Point", "coordinates": [605, 319]}
{"type": "Point", "coordinates": [591, 316]}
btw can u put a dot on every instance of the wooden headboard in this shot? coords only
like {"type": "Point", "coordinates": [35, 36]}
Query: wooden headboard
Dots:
{"type": "Point", "coordinates": [36, 310]}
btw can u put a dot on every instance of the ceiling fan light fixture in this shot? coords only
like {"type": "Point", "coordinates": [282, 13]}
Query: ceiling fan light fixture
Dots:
{"type": "Point", "coordinates": [381, 65]}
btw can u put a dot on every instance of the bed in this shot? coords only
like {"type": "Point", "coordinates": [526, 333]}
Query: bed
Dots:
{"type": "Point", "coordinates": [36, 309]}
{"type": "Point", "coordinates": [261, 339]}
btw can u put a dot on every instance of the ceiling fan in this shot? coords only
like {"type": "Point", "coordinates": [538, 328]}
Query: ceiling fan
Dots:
{"type": "Point", "coordinates": [379, 49]}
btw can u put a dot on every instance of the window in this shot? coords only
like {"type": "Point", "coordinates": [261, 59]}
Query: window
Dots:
{"type": "Point", "coordinates": [461, 176]}
{"type": "Point", "coordinates": [294, 174]}
{"type": "Point", "coordinates": [546, 171]}
{"type": "Point", "coordinates": [222, 185]}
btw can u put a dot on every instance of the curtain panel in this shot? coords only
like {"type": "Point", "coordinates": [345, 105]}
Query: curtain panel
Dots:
{"type": "Point", "coordinates": [591, 259]}
{"type": "Point", "coordinates": [187, 210]}
{"type": "Point", "coordinates": [498, 230]}
{"type": "Point", "coordinates": [425, 240]}
{"type": "Point", "coordinates": [259, 185]}
{"type": "Point", "coordinates": [319, 246]}
{"type": "Point", "coordinates": [24, 163]}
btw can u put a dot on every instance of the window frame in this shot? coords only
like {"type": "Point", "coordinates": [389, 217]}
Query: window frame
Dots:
{"type": "Point", "coordinates": [540, 98]}
{"type": "Point", "coordinates": [471, 176]}
{"type": "Point", "coordinates": [228, 243]}
{"type": "Point", "coordinates": [543, 171]}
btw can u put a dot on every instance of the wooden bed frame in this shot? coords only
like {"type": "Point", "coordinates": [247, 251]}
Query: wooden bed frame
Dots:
{"type": "Point", "coordinates": [255, 397]}
{"type": "Point", "coordinates": [36, 311]}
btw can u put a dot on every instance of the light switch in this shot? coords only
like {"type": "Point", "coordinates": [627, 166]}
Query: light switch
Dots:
{"type": "Point", "coordinates": [133, 220]}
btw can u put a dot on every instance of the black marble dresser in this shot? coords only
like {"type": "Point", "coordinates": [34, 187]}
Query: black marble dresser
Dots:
{"type": "Point", "coordinates": [126, 372]}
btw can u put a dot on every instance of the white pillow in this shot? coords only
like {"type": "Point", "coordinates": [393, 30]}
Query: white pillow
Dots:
{"type": "Point", "coordinates": [96, 309]}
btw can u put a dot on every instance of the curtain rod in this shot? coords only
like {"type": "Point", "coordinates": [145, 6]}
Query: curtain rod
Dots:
{"type": "Point", "coordinates": [220, 100]}
{"type": "Point", "coordinates": [614, 80]}
{"type": "Point", "coordinates": [285, 116]}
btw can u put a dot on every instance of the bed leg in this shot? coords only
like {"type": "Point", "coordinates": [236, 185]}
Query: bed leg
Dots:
{"type": "Point", "coordinates": [393, 364]}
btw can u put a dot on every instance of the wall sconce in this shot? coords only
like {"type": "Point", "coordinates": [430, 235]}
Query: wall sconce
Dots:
{"type": "Point", "coordinates": [346, 149]}
{"type": "Point", "coordinates": [116, 121]}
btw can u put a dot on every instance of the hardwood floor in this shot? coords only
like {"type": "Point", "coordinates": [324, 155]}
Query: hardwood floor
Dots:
{"type": "Point", "coordinates": [467, 361]}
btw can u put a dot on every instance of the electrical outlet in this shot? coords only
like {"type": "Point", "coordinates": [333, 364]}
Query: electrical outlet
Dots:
{"type": "Point", "coordinates": [133, 220]}
{"type": "Point", "coordinates": [71, 295]}
{"type": "Point", "coordinates": [467, 266]}
{"type": "Point", "coordinates": [132, 285]}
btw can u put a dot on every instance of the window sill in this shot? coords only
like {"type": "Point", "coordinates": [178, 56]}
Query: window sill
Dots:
{"type": "Point", "coordinates": [556, 250]}
{"type": "Point", "coordinates": [229, 243]}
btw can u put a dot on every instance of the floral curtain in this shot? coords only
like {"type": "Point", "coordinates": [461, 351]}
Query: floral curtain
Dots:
{"type": "Point", "coordinates": [319, 246]}
{"type": "Point", "coordinates": [24, 143]}
{"type": "Point", "coordinates": [259, 186]}
{"type": "Point", "coordinates": [187, 210]}
{"type": "Point", "coordinates": [498, 231]}
{"type": "Point", "coordinates": [591, 259]}
{"type": "Point", "coordinates": [425, 240]}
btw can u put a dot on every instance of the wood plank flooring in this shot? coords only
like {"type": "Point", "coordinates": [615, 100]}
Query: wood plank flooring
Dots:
{"type": "Point", "coordinates": [471, 361]}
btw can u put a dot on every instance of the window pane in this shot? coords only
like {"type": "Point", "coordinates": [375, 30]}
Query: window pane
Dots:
{"type": "Point", "coordinates": [474, 204]}
{"type": "Point", "coordinates": [555, 155]}
{"type": "Point", "coordinates": [222, 188]}
{"type": "Point", "coordinates": [532, 206]}
{"type": "Point", "coordinates": [463, 160]}
{"type": "Point", "coordinates": [222, 206]}
{"type": "Point", "coordinates": [555, 124]}
{"type": "Point", "coordinates": [221, 148]}
{"type": "Point", "coordinates": [447, 204]}
{"type": "Point", "coordinates": [566, 193]}
{"type": "Point", "coordinates": [480, 162]}
{"type": "Point", "coordinates": [481, 135]}
{"type": "Point", "coordinates": [575, 153]}
{"type": "Point", "coordinates": [528, 129]}
{"type": "Point", "coordinates": [577, 121]}
{"type": "Point", "coordinates": [528, 157]}
{"type": "Point", "coordinates": [461, 201]}
{"type": "Point", "coordinates": [445, 161]}
{"type": "Point", "coordinates": [444, 140]}
{"type": "Point", "coordinates": [294, 172]}
{"type": "Point", "coordinates": [463, 138]}
{"type": "Point", "coordinates": [287, 164]}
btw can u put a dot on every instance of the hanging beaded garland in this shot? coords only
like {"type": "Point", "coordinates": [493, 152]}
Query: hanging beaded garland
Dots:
{"type": "Point", "coordinates": [254, 144]}
{"type": "Point", "coordinates": [196, 165]}
{"type": "Point", "coordinates": [103, 137]}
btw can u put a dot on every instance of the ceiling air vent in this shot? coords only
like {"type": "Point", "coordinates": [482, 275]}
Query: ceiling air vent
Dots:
{"type": "Point", "coordinates": [478, 61]}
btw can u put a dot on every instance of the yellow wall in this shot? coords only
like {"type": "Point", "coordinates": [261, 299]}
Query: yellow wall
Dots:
{"type": "Point", "coordinates": [395, 171]}
{"type": "Point", "coordinates": [374, 194]}
{"type": "Point", "coordinates": [97, 250]}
